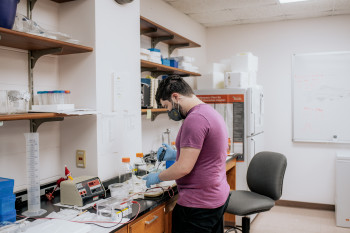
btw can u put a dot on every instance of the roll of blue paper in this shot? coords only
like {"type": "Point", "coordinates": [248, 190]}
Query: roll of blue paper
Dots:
{"type": "Point", "coordinates": [8, 10]}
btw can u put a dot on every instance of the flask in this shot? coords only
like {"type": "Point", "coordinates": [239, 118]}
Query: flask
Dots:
{"type": "Point", "coordinates": [125, 174]}
{"type": "Point", "coordinates": [140, 165]}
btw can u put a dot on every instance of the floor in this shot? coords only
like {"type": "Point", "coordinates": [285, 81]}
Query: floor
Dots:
{"type": "Point", "coordinates": [282, 219]}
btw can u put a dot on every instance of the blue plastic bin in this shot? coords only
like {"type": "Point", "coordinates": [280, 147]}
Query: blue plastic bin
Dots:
{"type": "Point", "coordinates": [6, 185]}
{"type": "Point", "coordinates": [7, 203]}
{"type": "Point", "coordinates": [8, 10]}
{"type": "Point", "coordinates": [174, 63]}
{"type": "Point", "coordinates": [8, 217]}
{"type": "Point", "coordinates": [154, 50]}
{"type": "Point", "coordinates": [165, 62]}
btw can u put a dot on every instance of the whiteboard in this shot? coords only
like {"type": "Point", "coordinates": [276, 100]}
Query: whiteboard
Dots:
{"type": "Point", "coordinates": [321, 97]}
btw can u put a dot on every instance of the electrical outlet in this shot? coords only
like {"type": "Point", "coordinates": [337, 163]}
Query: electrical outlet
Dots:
{"type": "Point", "coordinates": [81, 158]}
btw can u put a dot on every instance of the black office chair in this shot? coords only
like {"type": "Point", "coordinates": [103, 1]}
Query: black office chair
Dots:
{"type": "Point", "coordinates": [265, 180]}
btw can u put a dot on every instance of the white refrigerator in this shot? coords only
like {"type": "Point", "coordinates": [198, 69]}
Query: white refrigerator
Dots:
{"type": "Point", "coordinates": [243, 112]}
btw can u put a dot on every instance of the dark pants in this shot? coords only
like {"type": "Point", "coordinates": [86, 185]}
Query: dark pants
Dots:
{"type": "Point", "coordinates": [197, 220]}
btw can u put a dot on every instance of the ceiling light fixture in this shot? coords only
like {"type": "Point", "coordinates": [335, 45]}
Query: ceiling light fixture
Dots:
{"type": "Point", "coordinates": [290, 1]}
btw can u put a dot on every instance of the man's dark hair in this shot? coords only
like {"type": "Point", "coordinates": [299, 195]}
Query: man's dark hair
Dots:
{"type": "Point", "coordinates": [171, 85]}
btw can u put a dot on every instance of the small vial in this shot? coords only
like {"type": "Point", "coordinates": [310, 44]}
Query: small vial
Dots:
{"type": "Point", "coordinates": [67, 96]}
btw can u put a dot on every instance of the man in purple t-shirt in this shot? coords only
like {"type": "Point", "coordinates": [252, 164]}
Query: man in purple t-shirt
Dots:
{"type": "Point", "coordinates": [200, 169]}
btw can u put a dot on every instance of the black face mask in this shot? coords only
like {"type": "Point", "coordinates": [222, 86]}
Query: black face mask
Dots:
{"type": "Point", "coordinates": [175, 114]}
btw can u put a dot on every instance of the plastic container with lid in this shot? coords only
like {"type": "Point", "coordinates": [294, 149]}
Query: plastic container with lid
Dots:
{"type": "Point", "coordinates": [58, 97]}
{"type": "Point", "coordinates": [125, 174]}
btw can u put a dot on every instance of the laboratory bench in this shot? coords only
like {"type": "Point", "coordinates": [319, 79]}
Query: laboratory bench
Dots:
{"type": "Point", "coordinates": [155, 212]}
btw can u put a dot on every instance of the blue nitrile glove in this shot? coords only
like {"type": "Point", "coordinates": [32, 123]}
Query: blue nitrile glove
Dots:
{"type": "Point", "coordinates": [170, 153]}
{"type": "Point", "coordinates": [152, 178]}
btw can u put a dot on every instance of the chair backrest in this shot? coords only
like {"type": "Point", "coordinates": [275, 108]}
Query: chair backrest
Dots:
{"type": "Point", "coordinates": [265, 174]}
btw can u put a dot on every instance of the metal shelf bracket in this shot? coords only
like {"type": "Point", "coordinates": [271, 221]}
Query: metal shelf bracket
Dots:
{"type": "Point", "coordinates": [155, 74]}
{"type": "Point", "coordinates": [148, 30]}
{"type": "Point", "coordinates": [156, 40]}
{"type": "Point", "coordinates": [175, 46]}
{"type": "Point", "coordinates": [34, 124]}
{"type": "Point", "coordinates": [36, 54]}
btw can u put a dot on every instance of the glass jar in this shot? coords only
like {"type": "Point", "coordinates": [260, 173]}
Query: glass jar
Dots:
{"type": "Point", "coordinates": [3, 102]}
{"type": "Point", "coordinates": [18, 101]}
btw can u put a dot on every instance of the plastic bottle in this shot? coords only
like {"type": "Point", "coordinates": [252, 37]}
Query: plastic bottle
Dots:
{"type": "Point", "coordinates": [125, 174]}
{"type": "Point", "coordinates": [229, 146]}
{"type": "Point", "coordinates": [140, 165]}
{"type": "Point", "coordinates": [173, 145]}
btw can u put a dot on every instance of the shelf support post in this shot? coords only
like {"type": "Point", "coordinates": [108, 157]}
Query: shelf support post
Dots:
{"type": "Point", "coordinates": [34, 124]}
{"type": "Point", "coordinates": [30, 7]}
{"type": "Point", "coordinates": [175, 46]}
{"type": "Point", "coordinates": [33, 57]}
{"type": "Point", "coordinates": [156, 40]}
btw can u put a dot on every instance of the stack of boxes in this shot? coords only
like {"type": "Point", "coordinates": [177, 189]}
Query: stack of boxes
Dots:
{"type": "Point", "coordinates": [7, 201]}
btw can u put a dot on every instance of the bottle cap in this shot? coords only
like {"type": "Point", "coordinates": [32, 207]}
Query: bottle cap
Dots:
{"type": "Point", "coordinates": [139, 155]}
{"type": "Point", "coordinates": [126, 160]}
{"type": "Point", "coordinates": [67, 91]}
{"type": "Point", "coordinates": [172, 143]}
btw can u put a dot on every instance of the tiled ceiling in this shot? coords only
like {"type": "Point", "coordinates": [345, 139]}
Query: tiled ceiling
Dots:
{"type": "Point", "coordinates": [213, 13]}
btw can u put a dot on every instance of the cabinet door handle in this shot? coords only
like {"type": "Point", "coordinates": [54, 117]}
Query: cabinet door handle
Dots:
{"type": "Point", "coordinates": [154, 219]}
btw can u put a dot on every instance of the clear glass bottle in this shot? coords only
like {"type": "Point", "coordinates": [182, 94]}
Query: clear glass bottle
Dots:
{"type": "Point", "coordinates": [125, 174]}
{"type": "Point", "coordinates": [140, 165]}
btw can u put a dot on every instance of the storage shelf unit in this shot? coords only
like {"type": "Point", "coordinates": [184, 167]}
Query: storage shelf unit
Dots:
{"type": "Point", "coordinates": [154, 112]}
{"type": "Point", "coordinates": [26, 41]}
{"type": "Point", "coordinates": [155, 67]}
{"type": "Point", "coordinates": [32, 116]}
{"type": "Point", "coordinates": [159, 33]}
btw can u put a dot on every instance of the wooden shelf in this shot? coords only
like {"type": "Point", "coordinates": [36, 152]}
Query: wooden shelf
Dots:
{"type": "Point", "coordinates": [154, 30]}
{"type": "Point", "coordinates": [31, 116]}
{"type": "Point", "coordinates": [158, 110]}
{"type": "Point", "coordinates": [26, 41]}
{"type": "Point", "coordinates": [169, 69]}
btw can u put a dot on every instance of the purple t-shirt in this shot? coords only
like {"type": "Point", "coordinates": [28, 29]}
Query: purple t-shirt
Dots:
{"type": "Point", "coordinates": [206, 185]}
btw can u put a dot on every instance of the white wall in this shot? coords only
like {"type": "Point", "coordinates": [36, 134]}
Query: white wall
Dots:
{"type": "Point", "coordinates": [118, 51]}
{"type": "Point", "coordinates": [165, 15]}
{"type": "Point", "coordinates": [14, 76]}
{"type": "Point", "coordinates": [311, 166]}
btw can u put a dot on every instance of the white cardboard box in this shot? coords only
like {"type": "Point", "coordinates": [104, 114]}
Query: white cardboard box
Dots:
{"type": "Point", "coordinates": [236, 79]}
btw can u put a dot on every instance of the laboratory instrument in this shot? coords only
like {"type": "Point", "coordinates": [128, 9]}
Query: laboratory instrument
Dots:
{"type": "Point", "coordinates": [82, 190]}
